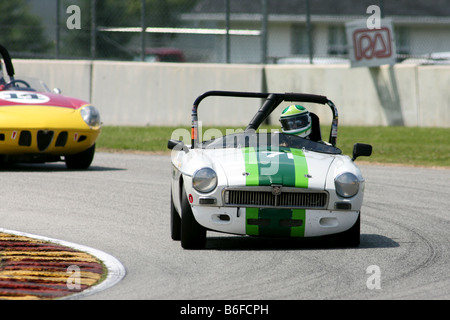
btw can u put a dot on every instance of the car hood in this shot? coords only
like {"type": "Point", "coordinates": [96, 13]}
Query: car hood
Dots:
{"type": "Point", "coordinates": [28, 109]}
{"type": "Point", "coordinates": [31, 98]}
{"type": "Point", "coordinates": [264, 166]}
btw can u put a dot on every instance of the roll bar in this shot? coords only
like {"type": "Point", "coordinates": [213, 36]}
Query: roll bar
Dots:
{"type": "Point", "coordinates": [8, 62]}
{"type": "Point", "coordinates": [272, 101]}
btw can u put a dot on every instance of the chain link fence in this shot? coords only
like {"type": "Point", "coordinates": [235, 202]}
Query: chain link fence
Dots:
{"type": "Point", "coordinates": [211, 31]}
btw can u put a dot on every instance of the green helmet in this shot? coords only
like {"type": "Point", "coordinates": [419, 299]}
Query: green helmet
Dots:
{"type": "Point", "coordinates": [296, 120]}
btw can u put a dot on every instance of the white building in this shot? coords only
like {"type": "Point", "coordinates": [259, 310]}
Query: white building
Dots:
{"type": "Point", "coordinates": [421, 27]}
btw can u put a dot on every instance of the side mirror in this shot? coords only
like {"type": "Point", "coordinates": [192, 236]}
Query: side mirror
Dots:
{"type": "Point", "coordinates": [361, 149]}
{"type": "Point", "coordinates": [177, 145]}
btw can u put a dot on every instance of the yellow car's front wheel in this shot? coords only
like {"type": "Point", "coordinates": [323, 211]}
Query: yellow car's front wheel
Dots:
{"type": "Point", "coordinates": [80, 160]}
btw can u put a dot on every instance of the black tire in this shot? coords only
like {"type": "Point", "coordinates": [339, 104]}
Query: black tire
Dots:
{"type": "Point", "coordinates": [193, 235]}
{"type": "Point", "coordinates": [80, 160]}
{"type": "Point", "coordinates": [351, 237]}
{"type": "Point", "coordinates": [175, 221]}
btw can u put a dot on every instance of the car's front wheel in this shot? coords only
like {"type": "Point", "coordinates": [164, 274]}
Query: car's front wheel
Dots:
{"type": "Point", "coordinates": [175, 221]}
{"type": "Point", "coordinates": [80, 160]}
{"type": "Point", "coordinates": [351, 237]}
{"type": "Point", "coordinates": [193, 235]}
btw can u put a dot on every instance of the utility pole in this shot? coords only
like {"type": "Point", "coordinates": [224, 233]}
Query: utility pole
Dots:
{"type": "Point", "coordinates": [227, 36]}
{"type": "Point", "coordinates": [308, 31]}
{"type": "Point", "coordinates": [382, 8]}
{"type": "Point", "coordinates": [93, 28]}
{"type": "Point", "coordinates": [264, 30]}
{"type": "Point", "coordinates": [143, 26]}
{"type": "Point", "coordinates": [57, 28]}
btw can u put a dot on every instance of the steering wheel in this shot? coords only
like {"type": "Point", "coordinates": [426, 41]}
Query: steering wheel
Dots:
{"type": "Point", "coordinates": [11, 83]}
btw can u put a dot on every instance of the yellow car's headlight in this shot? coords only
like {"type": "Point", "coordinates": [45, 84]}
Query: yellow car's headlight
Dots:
{"type": "Point", "coordinates": [91, 116]}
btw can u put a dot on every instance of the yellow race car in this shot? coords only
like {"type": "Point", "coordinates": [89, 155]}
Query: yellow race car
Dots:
{"type": "Point", "coordinates": [37, 125]}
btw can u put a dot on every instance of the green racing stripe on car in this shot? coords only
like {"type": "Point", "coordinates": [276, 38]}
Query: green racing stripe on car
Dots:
{"type": "Point", "coordinates": [251, 214]}
{"type": "Point", "coordinates": [298, 214]}
{"type": "Point", "coordinates": [251, 166]}
{"type": "Point", "coordinates": [301, 168]}
{"type": "Point", "coordinates": [275, 222]}
{"type": "Point", "coordinates": [281, 166]}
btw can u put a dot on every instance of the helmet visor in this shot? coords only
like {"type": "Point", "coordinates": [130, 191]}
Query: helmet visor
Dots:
{"type": "Point", "coordinates": [296, 122]}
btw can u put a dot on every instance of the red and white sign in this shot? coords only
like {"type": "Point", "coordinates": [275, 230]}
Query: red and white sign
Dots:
{"type": "Point", "coordinates": [24, 97]}
{"type": "Point", "coordinates": [370, 47]}
{"type": "Point", "coordinates": [10, 98]}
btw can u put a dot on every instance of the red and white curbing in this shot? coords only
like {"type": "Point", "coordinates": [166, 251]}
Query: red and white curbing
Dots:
{"type": "Point", "coordinates": [115, 270]}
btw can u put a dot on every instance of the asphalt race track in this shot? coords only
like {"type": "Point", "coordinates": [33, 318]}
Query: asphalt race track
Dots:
{"type": "Point", "coordinates": [121, 206]}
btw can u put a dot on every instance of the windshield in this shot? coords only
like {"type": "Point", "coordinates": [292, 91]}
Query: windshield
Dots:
{"type": "Point", "coordinates": [263, 140]}
{"type": "Point", "coordinates": [23, 83]}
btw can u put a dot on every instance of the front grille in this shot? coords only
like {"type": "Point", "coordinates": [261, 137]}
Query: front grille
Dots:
{"type": "Point", "coordinates": [263, 197]}
{"type": "Point", "coordinates": [25, 139]}
{"type": "Point", "coordinates": [62, 139]}
{"type": "Point", "coordinates": [44, 138]}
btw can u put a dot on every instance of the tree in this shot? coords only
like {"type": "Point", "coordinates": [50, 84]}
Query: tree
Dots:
{"type": "Point", "coordinates": [113, 13]}
{"type": "Point", "coordinates": [20, 31]}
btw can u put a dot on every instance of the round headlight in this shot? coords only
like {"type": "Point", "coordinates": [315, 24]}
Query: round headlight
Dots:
{"type": "Point", "coordinates": [347, 185]}
{"type": "Point", "coordinates": [204, 180]}
{"type": "Point", "coordinates": [91, 116]}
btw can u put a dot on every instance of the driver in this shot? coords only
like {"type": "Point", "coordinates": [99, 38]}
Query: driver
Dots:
{"type": "Point", "coordinates": [2, 80]}
{"type": "Point", "coordinates": [296, 120]}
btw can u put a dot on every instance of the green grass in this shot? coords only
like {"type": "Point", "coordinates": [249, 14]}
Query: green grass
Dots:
{"type": "Point", "coordinates": [402, 145]}
{"type": "Point", "coordinates": [391, 145]}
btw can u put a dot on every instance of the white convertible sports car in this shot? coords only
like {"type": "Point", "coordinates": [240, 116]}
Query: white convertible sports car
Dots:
{"type": "Point", "coordinates": [267, 184]}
